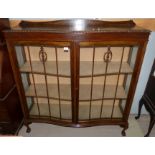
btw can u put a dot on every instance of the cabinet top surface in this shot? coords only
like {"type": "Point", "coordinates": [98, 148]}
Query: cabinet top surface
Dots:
{"type": "Point", "coordinates": [78, 25]}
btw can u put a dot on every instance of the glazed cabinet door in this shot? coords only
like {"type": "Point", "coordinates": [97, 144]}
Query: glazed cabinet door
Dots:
{"type": "Point", "coordinates": [104, 79]}
{"type": "Point", "coordinates": [45, 72]}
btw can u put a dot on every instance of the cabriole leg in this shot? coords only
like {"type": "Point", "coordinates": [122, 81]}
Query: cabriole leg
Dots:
{"type": "Point", "coordinates": [152, 121]}
{"type": "Point", "coordinates": [141, 102]}
{"type": "Point", "coordinates": [28, 130]}
{"type": "Point", "coordinates": [125, 127]}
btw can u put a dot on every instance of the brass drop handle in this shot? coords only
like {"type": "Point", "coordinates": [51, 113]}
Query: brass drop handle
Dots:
{"type": "Point", "coordinates": [42, 55]}
{"type": "Point", "coordinates": [108, 55]}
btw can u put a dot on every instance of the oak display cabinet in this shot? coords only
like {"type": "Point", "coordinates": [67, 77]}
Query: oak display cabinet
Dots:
{"type": "Point", "coordinates": [77, 72]}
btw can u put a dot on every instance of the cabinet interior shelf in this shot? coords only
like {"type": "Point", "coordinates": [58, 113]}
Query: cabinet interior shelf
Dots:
{"type": "Point", "coordinates": [51, 68]}
{"type": "Point", "coordinates": [66, 110]}
{"type": "Point", "coordinates": [85, 68]}
{"type": "Point", "coordinates": [84, 95]}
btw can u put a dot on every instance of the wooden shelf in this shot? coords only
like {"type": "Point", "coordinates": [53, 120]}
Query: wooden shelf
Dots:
{"type": "Point", "coordinates": [83, 111]}
{"type": "Point", "coordinates": [95, 112]}
{"type": "Point", "coordinates": [99, 68]}
{"type": "Point", "coordinates": [84, 93]}
{"type": "Point", "coordinates": [65, 91]}
{"type": "Point", "coordinates": [54, 109]}
{"type": "Point", "coordinates": [37, 66]}
{"type": "Point", "coordinates": [85, 68]}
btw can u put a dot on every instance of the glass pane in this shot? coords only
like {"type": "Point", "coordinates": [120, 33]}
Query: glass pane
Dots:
{"type": "Point", "coordinates": [83, 110]}
{"type": "Point", "coordinates": [63, 109]}
{"type": "Point", "coordinates": [111, 109]}
{"type": "Point", "coordinates": [105, 77]}
{"type": "Point", "coordinates": [40, 105]}
{"type": "Point", "coordinates": [46, 78]}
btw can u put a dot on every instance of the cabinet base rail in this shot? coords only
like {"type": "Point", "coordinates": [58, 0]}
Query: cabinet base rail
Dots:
{"type": "Point", "coordinates": [80, 124]}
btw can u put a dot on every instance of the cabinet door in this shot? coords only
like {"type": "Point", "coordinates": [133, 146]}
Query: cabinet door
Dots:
{"type": "Point", "coordinates": [46, 79]}
{"type": "Point", "coordinates": [104, 79]}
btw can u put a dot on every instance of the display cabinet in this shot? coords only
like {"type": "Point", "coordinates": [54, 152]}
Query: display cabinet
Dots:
{"type": "Point", "coordinates": [77, 72]}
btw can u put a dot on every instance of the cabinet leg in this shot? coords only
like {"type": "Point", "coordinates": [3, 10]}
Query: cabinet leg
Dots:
{"type": "Point", "coordinates": [123, 132]}
{"type": "Point", "coordinates": [124, 128]}
{"type": "Point", "coordinates": [152, 121]}
{"type": "Point", "coordinates": [28, 130]}
{"type": "Point", "coordinates": [141, 102]}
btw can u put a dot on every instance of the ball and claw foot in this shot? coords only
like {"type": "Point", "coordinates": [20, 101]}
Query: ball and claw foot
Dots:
{"type": "Point", "coordinates": [125, 127]}
{"type": "Point", "coordinates": [28, 130]}
{"type": "Point", "coordinates": [123, 133]}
